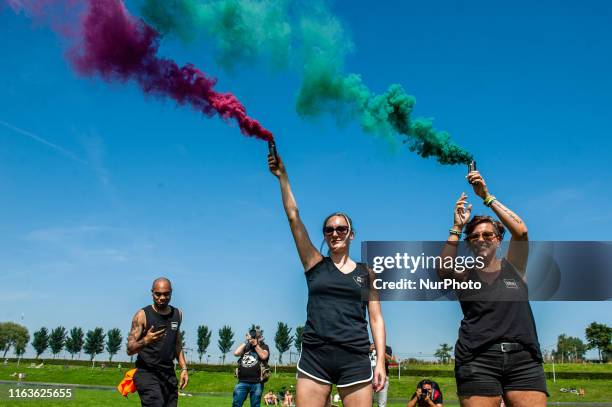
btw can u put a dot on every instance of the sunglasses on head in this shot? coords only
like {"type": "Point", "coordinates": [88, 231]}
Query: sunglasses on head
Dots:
{"type": "Point", "coordinates": [341, 230]}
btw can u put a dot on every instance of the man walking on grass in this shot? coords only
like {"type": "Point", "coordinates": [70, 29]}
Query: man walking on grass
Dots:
{"type": "Point", "coordinates": [155, 337]}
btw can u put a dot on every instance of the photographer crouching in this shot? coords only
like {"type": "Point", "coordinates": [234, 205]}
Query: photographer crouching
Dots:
{"type": "Point", "coordinates": [427, 393]}
{"type": "Point", "coordinates": [253, 370]}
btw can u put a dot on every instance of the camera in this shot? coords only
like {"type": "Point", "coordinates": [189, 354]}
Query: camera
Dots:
{"type": "Point", "coordinates": [424, 393]}
{"type": "Point", "coordinates": [253, 334]}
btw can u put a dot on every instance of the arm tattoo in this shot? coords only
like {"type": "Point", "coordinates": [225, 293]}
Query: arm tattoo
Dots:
{"type": "Point", "coordinates": [508, 212]}
{"type": "Point", "coordinates": [135, 333]}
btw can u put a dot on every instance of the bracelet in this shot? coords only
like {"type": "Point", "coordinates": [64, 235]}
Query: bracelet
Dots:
{"type": "Point", "coordinates": [455, 232]}
{"type": "Point", "coordinates": [185, 369]}
{"type": "Point", "coordinates": [488, 201]}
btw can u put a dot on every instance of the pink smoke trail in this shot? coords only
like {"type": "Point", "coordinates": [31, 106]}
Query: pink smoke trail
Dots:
{"type": "Point", "coordinates": [118, 46]}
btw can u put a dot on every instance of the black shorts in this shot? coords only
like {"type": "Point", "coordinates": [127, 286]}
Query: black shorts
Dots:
{"type": "Point", "coordinates": [156, 389]}
{"type": "Point", "coordinates": [492, 373]}
{"type": "Point", "coordinates": [333, 364]}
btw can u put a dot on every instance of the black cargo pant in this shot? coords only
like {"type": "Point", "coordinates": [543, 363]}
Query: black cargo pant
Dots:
{"type": "Point", "coordinates": [156, 388]}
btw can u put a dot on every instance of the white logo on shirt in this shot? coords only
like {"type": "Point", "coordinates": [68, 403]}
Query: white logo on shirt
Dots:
{"type": "Point", "coordinates": [248, 360]}
{"type": "Point", "coordinates": [510, 283]}
{"type": "Point", "coordinates": [174, 326]}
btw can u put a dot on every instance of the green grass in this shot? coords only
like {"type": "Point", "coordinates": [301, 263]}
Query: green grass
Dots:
{"type": "Point", "coordinates": [219, 386]}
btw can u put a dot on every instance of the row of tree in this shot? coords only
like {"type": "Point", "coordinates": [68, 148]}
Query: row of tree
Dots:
{"type": "Point", "coordinates": [283, 339]}
{"type": "Point", "coordinates": [75, 341]}
{"type": "Point", "coordinates": [96, 341]}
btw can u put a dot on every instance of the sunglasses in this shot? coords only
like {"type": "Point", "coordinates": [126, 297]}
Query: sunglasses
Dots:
{"type": "Point", "coordinates": [341, 230]}
{"type": "Point", "coordinates": [472, 237]}
{"type": "Point", "coordinates": [164, 294]}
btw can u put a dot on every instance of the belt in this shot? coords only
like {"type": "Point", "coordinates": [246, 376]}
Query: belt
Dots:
{"type": "Point", "coordinates": [507, 347]}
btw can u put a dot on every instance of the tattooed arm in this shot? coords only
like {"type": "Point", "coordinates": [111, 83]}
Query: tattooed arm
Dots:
{"type": "Point", "coordinates": [136, 339]}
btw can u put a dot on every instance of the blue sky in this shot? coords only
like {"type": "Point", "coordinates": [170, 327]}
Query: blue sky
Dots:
{"type": "Point", "coordinates": [135, 187]}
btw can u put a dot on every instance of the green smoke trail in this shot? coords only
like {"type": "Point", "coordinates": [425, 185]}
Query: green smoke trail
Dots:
{"type": "Point", "coordinates": [325, 88]}
{"type": "Point", "coordinates": [241, 30]}
{"type": "Point", "coordinates": [247, 30]}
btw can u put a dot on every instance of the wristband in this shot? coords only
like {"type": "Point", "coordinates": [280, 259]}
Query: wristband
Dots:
{"type": "Point", "coordinates": [489, 200]}
{"type": "Point", "coordinates": [185, 369]}
{"type": "Point", "coordinates": [455, 232]}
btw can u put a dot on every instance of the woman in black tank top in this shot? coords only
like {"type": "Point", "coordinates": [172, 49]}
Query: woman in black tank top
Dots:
{"type": "Point", "coordinates": [497, 353]}
{"type": "Point", "coordinates": [335, 342]}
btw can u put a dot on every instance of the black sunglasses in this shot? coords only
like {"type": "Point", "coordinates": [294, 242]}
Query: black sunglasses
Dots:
{"type": "Point", "coordinates": [341, 230]}
{"type": "Point", "coordinates": [165, 294]}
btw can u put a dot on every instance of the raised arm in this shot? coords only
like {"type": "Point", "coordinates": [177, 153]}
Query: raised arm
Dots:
{"type": "Point", "coordinates": [518, 249]}
{"type": "Point", "coordinates": [309, 255]}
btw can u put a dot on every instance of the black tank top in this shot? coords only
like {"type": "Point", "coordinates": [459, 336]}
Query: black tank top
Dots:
{"type": "Point", "coordinates": [336, 311]}
{"type": "Point", "coordinates": [496, 313]}
{"type": "Point", "coordinates": [160, 355]}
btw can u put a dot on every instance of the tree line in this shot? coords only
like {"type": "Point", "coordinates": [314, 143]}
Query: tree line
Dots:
{"type": "Point", "coordinates": [96, 341]}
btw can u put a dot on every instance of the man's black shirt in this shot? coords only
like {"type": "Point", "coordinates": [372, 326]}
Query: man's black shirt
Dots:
{"type": "Point", "coordinates": [249, 364]}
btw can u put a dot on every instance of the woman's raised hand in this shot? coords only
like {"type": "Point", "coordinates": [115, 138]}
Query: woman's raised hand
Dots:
{"type": "Point", "coordinates": [276, 166]}
{"type": "Point", "coordinates": [478, 183]}
{"type": "Point", "coordinates": [462, 212]}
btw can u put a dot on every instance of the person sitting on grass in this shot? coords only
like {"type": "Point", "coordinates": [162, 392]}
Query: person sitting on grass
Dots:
{"type": "Point", "coordinates": [270, 399]}
{"type": "Point", "coordinates": [288, 399]}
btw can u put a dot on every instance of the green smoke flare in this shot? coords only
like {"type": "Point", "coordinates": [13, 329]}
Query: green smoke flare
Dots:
{"type": "Point", "coordinates": [244, 31]}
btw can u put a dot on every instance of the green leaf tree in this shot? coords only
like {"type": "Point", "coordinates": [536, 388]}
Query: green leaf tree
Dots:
{"type": "Point", "coordinates": [11, 334]}
{"type": "Point", "coordinates": [113, 342]}
{"type": "Point", "coordinates": [569, 348]}
{"type": "Point", "coordinates": [443, 353]}
{"type": "Point", "coordinates": [74, 341]}
{"type": "Point", "coordinates": [57, 340]}
{"type": "Point", "coordinates": [40, 343]}
{"type": "Point", "coordinates": [203, 340]}
{"type": "Point", "coordinates": [20, 346]}
{"type": "Point", "coordinates": [282, 340]}
{"type": "Point", "coordinates": [297, 340]}
{"type": "Point", "coordinates": [599, 336]}
{"type": "Point", "coordinates": [94, 343]}
{"type": "Point", "coordinates": [226, 340]}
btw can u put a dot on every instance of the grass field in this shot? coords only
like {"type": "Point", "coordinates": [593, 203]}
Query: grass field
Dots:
{"type": "Point", "coordinates": [214, 388]}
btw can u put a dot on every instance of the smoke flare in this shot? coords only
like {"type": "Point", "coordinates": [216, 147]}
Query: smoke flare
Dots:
{"type": "Point", "coordinates": [243, 30]}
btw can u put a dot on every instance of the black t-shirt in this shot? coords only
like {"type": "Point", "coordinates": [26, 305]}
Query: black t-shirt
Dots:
{"type": "Point", "coordinates": [436, 396]}
{"type": "Point", "coordinates": [249, 364]}
{"type": "Point", "coordinates": [496, 313]}
{"type": "Point", "coordinates": [336, 311]}
{"type": "Point", "coordinates": [161, 354]}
